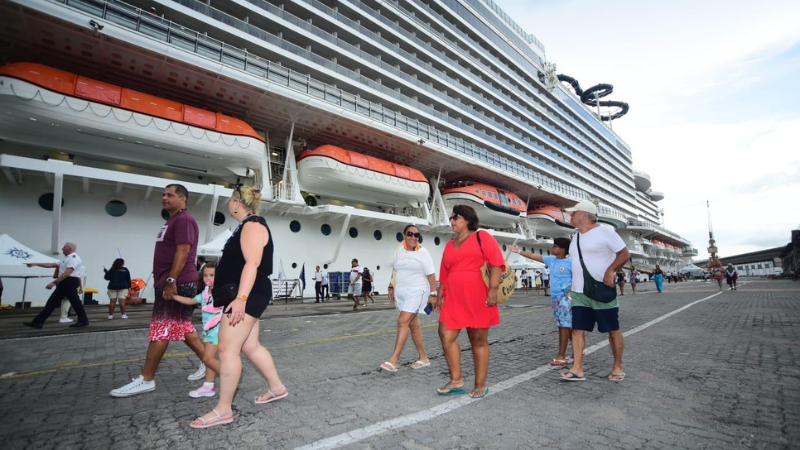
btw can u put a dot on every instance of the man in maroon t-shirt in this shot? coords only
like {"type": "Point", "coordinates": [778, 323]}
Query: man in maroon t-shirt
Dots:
{"type": "Point", "coordinates": [176, 244]}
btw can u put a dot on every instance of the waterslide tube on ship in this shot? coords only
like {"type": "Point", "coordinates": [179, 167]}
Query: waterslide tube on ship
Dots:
{"type": "Point", "coordinates": [62, 111]}
{"type": "Point", "coordinates": [329, 171]}
{"type": "Point", "coordinates": [496, 208]}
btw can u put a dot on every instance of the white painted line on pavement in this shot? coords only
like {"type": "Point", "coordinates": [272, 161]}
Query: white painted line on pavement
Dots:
{"type": "Point", "coordinates": [375, 429]}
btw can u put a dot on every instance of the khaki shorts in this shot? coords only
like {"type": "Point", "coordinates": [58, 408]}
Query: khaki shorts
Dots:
{"type": "Point", "coordinates": [120, 294]}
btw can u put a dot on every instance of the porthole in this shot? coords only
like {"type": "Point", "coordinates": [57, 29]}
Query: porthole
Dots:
{"type": "Point", "coordinates": [294, 265]}
{"type": "Point", "coordinates": [421, 238]}
{"type": "Point", "coordinates": [377, 267]}
{"type": "Point", "coordinates": [294, 226]}
{"type": "Point", "coordinates": [325, 266]}
{"type": "Point", "coordinates": [378, 235]}
{"type": "Point", "coordinates": [219, 218]}
{"type": "Point", "coordinates": [46, 201]}
{"type": "Point", "coordinates": [325, 229]}
{"type": "Point", "coordinates": [437, 241]}
{"type": "Point", "coordinates": [116, 208]}
{"type": "Point", "coordinates": [353, 232]}
{"type": "Point", "coordinates": [399, 237]}
{"type": "Point", "coordinates": [523, 249]}
{"type": "Point", "coordinates": [541, 252]}
{"type": "Point", "coordinates": [164, 214]}
{"type": "Point", "coordinates": [504, 247]}
{"type": "Point", "coordinates": [548, 253]}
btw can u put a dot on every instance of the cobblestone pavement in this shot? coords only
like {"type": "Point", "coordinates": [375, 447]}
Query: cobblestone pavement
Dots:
{"type": "Point", "coordinates": [722, 373]}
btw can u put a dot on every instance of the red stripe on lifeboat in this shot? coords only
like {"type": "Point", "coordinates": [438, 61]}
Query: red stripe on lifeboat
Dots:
{"type": "Point", "coordinates": [110, 94]}
{"type": "Point", "coordinates": [488, 194]}
{"type": "Point", "coordinates": [356, 159]}
{"type": "Point", "coordinates": [560, 216]}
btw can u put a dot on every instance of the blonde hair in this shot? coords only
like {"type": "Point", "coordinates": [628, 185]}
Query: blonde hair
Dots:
{"type": "Point", "coordinates": [248, 196]}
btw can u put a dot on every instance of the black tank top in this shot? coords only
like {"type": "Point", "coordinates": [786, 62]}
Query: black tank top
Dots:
{"type": "Point", "coordinates": [229, 268]}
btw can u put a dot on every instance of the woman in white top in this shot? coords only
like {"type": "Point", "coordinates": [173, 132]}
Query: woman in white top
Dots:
{"type": "Point", "coordinates": [413, 286]}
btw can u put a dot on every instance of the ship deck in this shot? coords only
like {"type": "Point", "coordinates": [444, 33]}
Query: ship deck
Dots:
{"type": "Point", "coordinates": [704, 368]}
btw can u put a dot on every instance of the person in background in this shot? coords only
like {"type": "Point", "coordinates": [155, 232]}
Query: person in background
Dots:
{"type": "Point", "coordinates": [559, 294]}
{"type": "Point", "coordinates": [211, 320]}
{"type": "Point", "coordinates": [621, 281]}
{"type": "Point", "coordinates": [633, 278]}
{"type": "Point", "coordinates": [546, 280]}
{"type": "Point", "coordinates": [366, 289]}
{"type": "Point", "coordinates": [119, 284]}
{"type": "Point", "coordinates": [717, 271]}
{"type": "Point", "coordinates": [524, 278]}
{"type": "Point", "coordinates": [731, 275]}
{"type": "Point", "coordinates": [658, 278]}
{"type": "Point", "coordinates": [464, 301]}
{"type": "Point", "coordinates": [318, 286]}
{"type": "Point", "coordinates": [325, 290]}
{"type": "Point", "coordinates": [354, 288]}
{"type": "Point", "coordinates": [537, 280]}
{"type": "Point", "coordinates": [412, 287]}
{"type": "Point", "coordinates": [66, 286]}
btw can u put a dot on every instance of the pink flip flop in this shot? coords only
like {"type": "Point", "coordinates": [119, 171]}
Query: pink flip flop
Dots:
{"type": "Point", "coordinates": [220, 419]}
{"type": "Point", "coordinates": [272, 396]}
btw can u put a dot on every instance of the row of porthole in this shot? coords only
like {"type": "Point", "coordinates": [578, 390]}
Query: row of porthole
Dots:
{"type": "Point", "coordinates": [117, 208]}
{"type": "Point", "coordinates": [326, 230]}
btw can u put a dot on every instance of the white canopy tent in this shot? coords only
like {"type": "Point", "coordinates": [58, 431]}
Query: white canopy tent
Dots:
{"type": "Point", "coordinates": [14, 256]}
{"type": "Point", "coordinates": [214, 247]}
{"type": "Point", "coordinates": [693, 270]}
{"type": "Point", "coordinates": [519, 262]}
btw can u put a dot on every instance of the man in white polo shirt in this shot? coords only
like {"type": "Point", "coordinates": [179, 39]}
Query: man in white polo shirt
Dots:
{"type": "Point", "coordinates": [66, 286]}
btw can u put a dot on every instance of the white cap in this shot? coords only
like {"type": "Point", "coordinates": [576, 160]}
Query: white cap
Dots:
{"type": "Point", "coordinates": [584, 205]}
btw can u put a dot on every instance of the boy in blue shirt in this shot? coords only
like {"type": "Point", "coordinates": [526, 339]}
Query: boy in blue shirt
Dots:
{"type": "Point", "coordinates": [560, 283]}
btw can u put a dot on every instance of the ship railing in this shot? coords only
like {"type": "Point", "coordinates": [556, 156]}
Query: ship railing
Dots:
{"type": "Point", "coordinates": [146, 23]}
{"type": "Point", "coordinates": [283, 193]}
{"type": "Point", "coordinates": [442, 76]}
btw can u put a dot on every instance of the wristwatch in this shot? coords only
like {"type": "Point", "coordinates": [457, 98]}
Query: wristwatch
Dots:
{"type": "Point", "coordinates": [170, 280]}
{"type": "Point", "coordinates": [433, 293]}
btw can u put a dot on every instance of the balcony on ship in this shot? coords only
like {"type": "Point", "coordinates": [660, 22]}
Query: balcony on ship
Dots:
{"type": "Point", "coordinates": [655, 196]}
{"type": "Point", "coordinates": [689, 251]}
{"type": "Point", "coordinates": [641, 180]}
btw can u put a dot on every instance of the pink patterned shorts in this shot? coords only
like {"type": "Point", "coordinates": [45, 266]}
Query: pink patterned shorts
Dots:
{"type": "Point", "coordinates": [172, 320]}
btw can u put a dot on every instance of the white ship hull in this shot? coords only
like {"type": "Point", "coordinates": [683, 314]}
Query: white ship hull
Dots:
{"type": "Point", "coordinates": [39, 117]}
{"type": "Point", "coordinates": [328, 177]}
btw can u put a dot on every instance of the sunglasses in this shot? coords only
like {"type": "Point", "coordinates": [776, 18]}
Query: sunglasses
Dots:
{"type": "Point", "coordinates": [412, 234]}
{"type": "Point", "coordinates": [454, 217]}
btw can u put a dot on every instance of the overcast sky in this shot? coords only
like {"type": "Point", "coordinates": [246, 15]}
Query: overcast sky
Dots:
{"type": "Point", "coordinates": [714, 92]}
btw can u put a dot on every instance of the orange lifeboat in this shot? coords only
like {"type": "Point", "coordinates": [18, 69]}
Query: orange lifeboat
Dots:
{"type": "Point", "coordinates": [495, 207]}
{"type": "Point", "coordinates": [51, 108]}
{"type": "Point", "coordinates": [549, 220]}
{"type": "Point", "coordinates": [332, 172]}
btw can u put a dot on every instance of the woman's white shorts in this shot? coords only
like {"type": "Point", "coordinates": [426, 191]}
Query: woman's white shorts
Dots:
{"type": "Point", "coordinates": [412, 300]}
{"type": "Point", "coordinates": [120, 294]}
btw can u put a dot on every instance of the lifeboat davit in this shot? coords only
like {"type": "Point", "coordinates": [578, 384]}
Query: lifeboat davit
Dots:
{"type": "Point", "coordinates": [329, 171]}
{"type": "Point", "coordinates": [549, 220]}
{"type": "Point", "coordinates": [62, 111]}
{"type": "Point", "coordinates": [495, 207]}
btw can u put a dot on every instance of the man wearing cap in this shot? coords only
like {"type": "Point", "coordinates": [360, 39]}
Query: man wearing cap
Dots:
{"type": "Point", "coordinates": [604, 253]}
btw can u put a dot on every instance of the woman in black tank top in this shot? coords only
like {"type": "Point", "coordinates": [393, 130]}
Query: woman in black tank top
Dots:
{"type": "Point", "coordinates": [247, 262]}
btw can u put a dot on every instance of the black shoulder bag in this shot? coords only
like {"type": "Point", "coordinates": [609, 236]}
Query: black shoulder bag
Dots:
{"type": "Point", "coordinates": [595, 290]}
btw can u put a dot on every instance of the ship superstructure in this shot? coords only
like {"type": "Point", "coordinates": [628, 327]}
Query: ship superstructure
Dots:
{"type": "Point", "coordinates": [451, 88]}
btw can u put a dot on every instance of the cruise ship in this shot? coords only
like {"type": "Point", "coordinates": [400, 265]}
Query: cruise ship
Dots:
{"type": "Point", "coordinates": [356, 116]}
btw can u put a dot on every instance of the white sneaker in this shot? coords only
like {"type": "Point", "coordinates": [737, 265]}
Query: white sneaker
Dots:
{"type": "Point", "coordinates": [203, 391]}
{"type": "Point", "coordinates": [110, 317]}
{"type": "Point", "coordinates": [135, 387]}
{"type": "Point", "coordinates": [124, 316]}
{"type": "Point", "coordinates": [65, 320]}
{"type": "Point", "coordinates": [199, 375]}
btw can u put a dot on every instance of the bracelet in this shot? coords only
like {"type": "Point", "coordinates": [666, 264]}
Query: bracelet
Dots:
{"type": "Point", "coordinates": [242, 297]}
{"type": "Point", "coordinates": [391, 287]}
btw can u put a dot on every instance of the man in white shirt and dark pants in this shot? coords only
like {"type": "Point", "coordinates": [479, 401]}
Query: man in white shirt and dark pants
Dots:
{"type": "Point", "coordinates": [66, 286]}
{"type": "Point", "coordinates": [603, 253]}
{"type": "Point", "coordinates": [318, 285]}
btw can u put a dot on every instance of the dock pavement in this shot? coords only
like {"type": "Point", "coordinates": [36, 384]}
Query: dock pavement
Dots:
{"type": "Point", "coordinates": [705, 369]}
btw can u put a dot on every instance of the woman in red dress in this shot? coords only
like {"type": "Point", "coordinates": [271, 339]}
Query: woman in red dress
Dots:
{"type": "Point", "coordinates": [464, 301]}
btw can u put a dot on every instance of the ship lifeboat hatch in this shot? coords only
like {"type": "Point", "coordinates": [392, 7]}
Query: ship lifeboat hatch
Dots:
{"type": "Point", "coordinates": [495, 207]}
{"type": "Point", "coordinates": [350, 176]}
